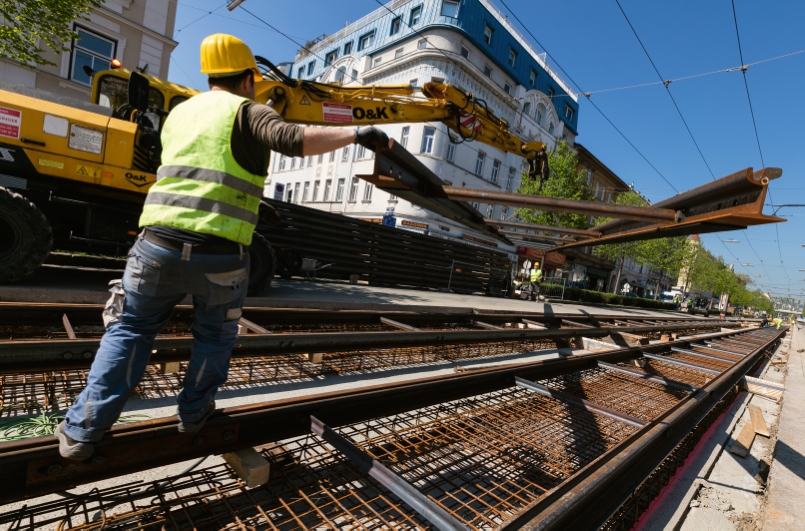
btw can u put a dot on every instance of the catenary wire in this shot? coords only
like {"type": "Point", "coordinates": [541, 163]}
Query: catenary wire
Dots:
{"type": "Point", "coordinates": [588, 98]}
{"type": "Point", "coordinates": [667, 88]}
{"type": "Point", "coordinates": [754, 124]}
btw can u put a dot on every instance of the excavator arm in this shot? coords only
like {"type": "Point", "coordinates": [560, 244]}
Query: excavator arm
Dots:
{"type": "Point", "coordinates": [331, 104]}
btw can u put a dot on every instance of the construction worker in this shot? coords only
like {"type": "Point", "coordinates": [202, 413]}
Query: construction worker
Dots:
{"type": "Point", "coordinates": [676, 301]}
{"type": "Point", "coordinates": [778, 322]}
{"type": "Point", "coordinates": [197, 222]}
{"type": "Point", "coordinates": [535, 278]}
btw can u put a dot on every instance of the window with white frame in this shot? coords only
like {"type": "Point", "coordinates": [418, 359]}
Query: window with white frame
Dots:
{"type": "Point", "coordinates": [91, 50]}
{"type": "Point", "coordinates": [589, 176]}
{"type": "Point", "coordinates": [305, 191]}
{"type": "Point", "coordinates": [450, 8]}
{"type": "Point", "coordinates": [427, 140]}
{"type": "Point", "coordinates": [422, 44]}
{"type": "Point", "coordinates": [507, 88]}
{"type": "Point", "coordinates": [474, 205]}
{"type": "Point", "coordinates": [332, 156]}
{"type": "Point", "coordinates": [465, 52]}
{"type": "Point", "coordinates": [488, 33]}
{"type": "Point", "coordinates": [289, 193]}
{"type": "Point", "coordinates": [551, 92]}
{"type": "Point", "coordinates": [345, 154]}
{"type": "Point", "coordinates": [310, 67]}
{"type": "Point", "coordinates": [504, 212]}
{"type": "Point", "coordinates": [398, 53]}
{"type": "Point", "coordinates": [296, 193]}
{"type": "Point", "coordinates": [340, 73]}
{"type": "Point", "coordinates": [328, 185]}
{"type": "Point", "coordinates": [353, 190]}
{"type": "Point", "coordinates": [479, 163]}
{"type": "Point", "coordinates": [489, 210]}
{"type": "Point", "coordinates": [551, 128]}
{"type": "Point", "coordinates": [377, 62]}
{"type": "Point", "coordinates": [597, 187]}
{"type": "Point", "coordinates": [315, 191]}
{"type": "Point", "coordinates": [487, 71]}
{"type": "Point", "coordinates": [495, 170]}
{"type": "Point", "coordinates": [309, 161]}
{"type": "Point", "coordinates": [366, 41]}
{"type": "Point", "coordinates": [330, 58]}
{"type": "Point", "coordinates": [404, 136]}
{"type": "Point", "coordinates": [339, 190]}
{"type": "Point", "coordinates": [361, 152]}
{"type": "Point", "coordinates": [348, 48]}
{"type": "Point", "coordinates": [300, 72]}
{"type": "Point", "coordinates": [396, 24]}
{"type": "Point", "coordinates": [320, 159]}
{"type": "Point", "coordinates": [512, 57]}
{"type": "Point", "coordinates": [416, 16]}
{"type": "Point", "coordinates": [532, 77]}
{"type": "Point", "coordinates": [293, 162]}
{"type": "Point", "coordinates": [367, 191]}
{"type": "Point", "coordinates": [450, 152]}
{"type": "Point", "coordinates": [437, 79]}
{"type": "Point", "coordinates": [353, 75]}
{"type": "Point", "coordinates": [527, 108]}
{"type": "Point", "coordinates": [283, 159]}
{"type": "Point", "coordinates": [569, 112]}
{"type": "Point", "coordinates": [414, 82]}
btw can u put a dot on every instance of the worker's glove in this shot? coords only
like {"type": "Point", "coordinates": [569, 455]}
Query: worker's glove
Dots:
{"type": "Point", "coordinates": [269, 215]}
{"type": "Point", "coordinates": [372, 138]}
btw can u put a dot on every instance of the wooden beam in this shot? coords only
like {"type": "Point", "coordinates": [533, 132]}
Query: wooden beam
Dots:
{"type": "Point", "coordinates": [758, 421]}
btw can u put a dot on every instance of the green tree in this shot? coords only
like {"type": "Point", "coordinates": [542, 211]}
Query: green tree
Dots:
{"type": "Point", "coordinates": [665, 256]}
{"type": "Point", "coordinates": [26, 22]}
{"type": "Point", "coordinates": [564, 181]}
{"type": "Point", "coordinates": [620, 252]}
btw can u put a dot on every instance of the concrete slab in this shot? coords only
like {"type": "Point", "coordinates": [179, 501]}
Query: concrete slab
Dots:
{"type": "Point", "coordinates": [707, 518]}
{"type": "Point", "coordinates": [784, 507]}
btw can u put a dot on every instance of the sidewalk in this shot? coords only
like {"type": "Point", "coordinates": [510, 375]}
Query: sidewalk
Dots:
{"type": "Point", "coordinates": [784, 507]}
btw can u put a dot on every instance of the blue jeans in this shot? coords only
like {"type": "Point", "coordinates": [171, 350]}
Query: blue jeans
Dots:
{"type": "Point", "coordinates": [157, 279]}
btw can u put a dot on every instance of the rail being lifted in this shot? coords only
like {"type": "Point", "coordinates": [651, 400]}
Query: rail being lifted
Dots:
{"type": "Point", "coordinates": [553, 444]}
{"type": "Point", "coordinates": [730, 203]}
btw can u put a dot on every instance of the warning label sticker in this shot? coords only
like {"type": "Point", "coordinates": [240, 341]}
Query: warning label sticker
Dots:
{"type": "Point", "coordinates": [337, 112]}
{"type": "Point", "coordinates": [10, 122]}
{"type": "Point", "coordinates": [85, 139]}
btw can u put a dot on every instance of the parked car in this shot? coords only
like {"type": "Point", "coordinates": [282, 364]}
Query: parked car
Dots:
{"type": "Point", "coordinates": [700, 307]}
{"type": "Point", "coordinates": [631, 294]}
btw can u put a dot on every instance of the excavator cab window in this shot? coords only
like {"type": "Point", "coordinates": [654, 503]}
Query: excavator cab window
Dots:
{"type": "Point", "coordinates": [113, 93]}
{"type": "Point", "coordinates": [176, 100]}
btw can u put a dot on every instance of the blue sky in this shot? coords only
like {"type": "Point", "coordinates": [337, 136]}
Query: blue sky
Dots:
{"type": "Point", "coordinates": [593, 44]}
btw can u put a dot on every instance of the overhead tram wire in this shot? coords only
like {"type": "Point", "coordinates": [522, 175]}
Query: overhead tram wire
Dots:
{"type": "Point", "coordinates": [744, 68]}
{"type": "Point", "coordinates": [208, 13]}
{"type": "Point", "coordinates": [667, 84]}
{"type": "Point", "coordinates": [582, 91]}
{"type": "Point", "coordinates": [302, 46]}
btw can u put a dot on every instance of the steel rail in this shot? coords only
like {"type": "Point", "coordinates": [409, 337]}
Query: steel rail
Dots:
{"type": "Point", "coordinates": [593, 494]}
{"type": "Point", "coordinates": [19, 356]}
{"type": "Point", "coordinates": [33, 467]}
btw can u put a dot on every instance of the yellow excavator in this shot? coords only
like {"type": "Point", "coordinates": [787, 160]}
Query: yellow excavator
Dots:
{"type": "Point", "coordinates": [73, 175]}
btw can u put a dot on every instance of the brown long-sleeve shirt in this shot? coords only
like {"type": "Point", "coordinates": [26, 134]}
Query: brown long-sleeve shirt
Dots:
{"type": "Point", "coordinates": [258, 130]}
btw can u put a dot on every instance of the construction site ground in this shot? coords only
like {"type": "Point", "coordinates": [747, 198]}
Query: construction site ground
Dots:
{"type": "Point", "coordinates": [715, 490]}
{"type": "Point", "coordinates": [63, 285]}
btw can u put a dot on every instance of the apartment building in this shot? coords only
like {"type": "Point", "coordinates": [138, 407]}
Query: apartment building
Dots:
{"type": "Point", "coordinates": [468, 43]}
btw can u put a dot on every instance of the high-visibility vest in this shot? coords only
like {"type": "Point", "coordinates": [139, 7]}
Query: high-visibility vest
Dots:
{"type": "Point", "coordinates": [536, 275]}
{"type": "Point", "coordinates": [200, 187]}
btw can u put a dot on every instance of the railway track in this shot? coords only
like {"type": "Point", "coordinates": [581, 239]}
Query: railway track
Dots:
{"type": "Point", "coordinates": [578, 442]}
{"type": "Point", "coordinates": [46, 349]}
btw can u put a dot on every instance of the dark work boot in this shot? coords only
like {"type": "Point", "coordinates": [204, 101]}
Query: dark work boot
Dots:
{"type": "Point", "coordinates": [193, 427]}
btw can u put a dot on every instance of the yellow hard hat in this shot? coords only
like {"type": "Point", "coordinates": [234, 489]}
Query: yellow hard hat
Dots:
{"type": "Point", "coordinates": [222, 55]}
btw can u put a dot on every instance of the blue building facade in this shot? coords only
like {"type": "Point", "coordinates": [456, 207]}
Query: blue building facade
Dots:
{"type": "Point", "coordinates": [476, 21]}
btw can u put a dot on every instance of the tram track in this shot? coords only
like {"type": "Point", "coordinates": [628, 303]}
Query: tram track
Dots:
{"type": "Point", "coordinates": [552, 444]}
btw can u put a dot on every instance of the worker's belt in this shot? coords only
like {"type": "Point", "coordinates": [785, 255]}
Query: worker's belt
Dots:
{"type": "Point", "coordinates": [199, 248]}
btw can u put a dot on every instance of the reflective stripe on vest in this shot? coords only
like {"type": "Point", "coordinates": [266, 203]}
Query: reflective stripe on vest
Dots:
{"type": "Point", "coordinates": [200, 186]}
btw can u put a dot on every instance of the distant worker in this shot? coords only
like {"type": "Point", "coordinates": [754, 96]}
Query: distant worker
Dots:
{"type": "Point", "coordinates": [778, 322]}
{"type": "Point", "coordinates": [197, 225]}
{"type": "Point", "coordinates": [676, 301]}
{"type": "Point", "coordinates": [535, 279]}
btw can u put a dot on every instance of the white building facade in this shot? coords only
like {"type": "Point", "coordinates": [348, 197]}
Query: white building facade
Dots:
{"type": "Point", "coordinates": [467, 43]}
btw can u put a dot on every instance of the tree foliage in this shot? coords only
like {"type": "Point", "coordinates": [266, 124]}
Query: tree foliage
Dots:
{"type": "Point", "coordinates": [620, 252]}
{"type": "Point", "coordinates": [27, 22]}
{"type": "Point", "coordinates": [564, 181]}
